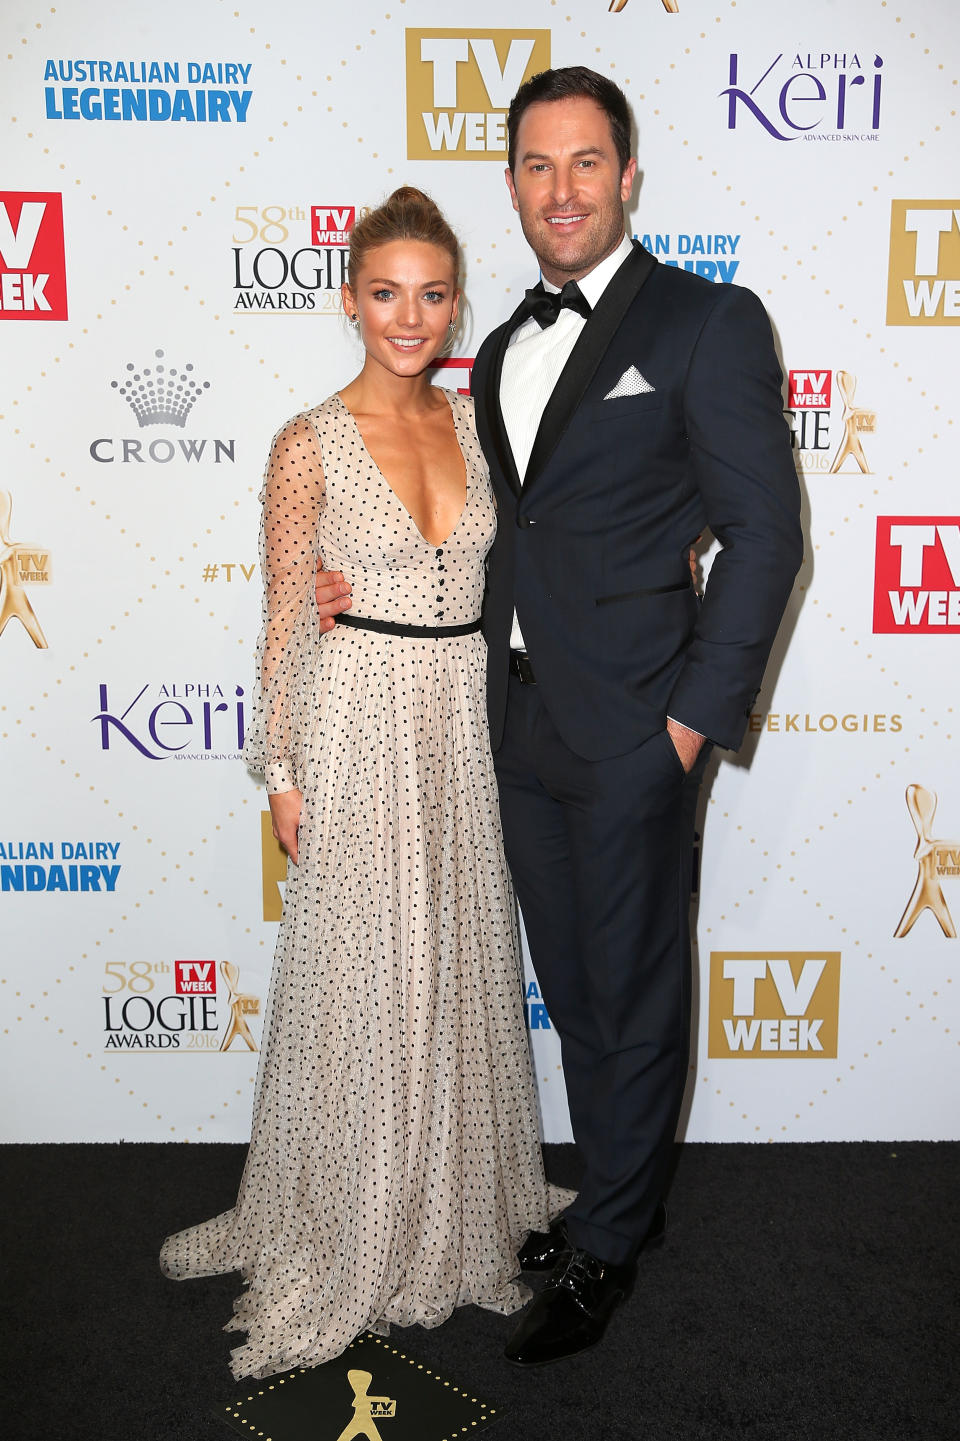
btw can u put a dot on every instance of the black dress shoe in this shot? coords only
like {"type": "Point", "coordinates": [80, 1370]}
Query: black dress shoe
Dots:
{"type": "Point", "coordinates": [542, 1249]}
{"type": "Point", "coordinates": [572, 1310]}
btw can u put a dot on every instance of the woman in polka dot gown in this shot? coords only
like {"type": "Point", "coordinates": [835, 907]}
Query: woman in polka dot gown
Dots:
{"type": "Point", "coordinates": [394, 1166]}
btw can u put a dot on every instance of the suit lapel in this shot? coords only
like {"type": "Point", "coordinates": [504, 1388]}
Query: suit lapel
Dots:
{"type": "Point", "coordinates": [585, 357]}
{"type": "Point", "coordinates": [501, 443]}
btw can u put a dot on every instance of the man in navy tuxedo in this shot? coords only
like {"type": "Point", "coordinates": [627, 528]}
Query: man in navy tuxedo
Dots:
{"type": "Point", "coordinates": [623, 408]}
{"type": "Point", "coordinates": [620, 417]}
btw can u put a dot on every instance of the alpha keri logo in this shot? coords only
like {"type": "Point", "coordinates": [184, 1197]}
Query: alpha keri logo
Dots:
{"type": "Point", "coordinates": [189, 720]}
{"type": "Point", "coordinates": [923, 284]}
{"type": "Point", "coordinates": [823, 95]}
{"type": "Point", "coordinates": [459, 87]}
{"type": "Point", "coordinates": [935, 859]}
{"type": "Point", "coordinates": [33, 273]}
{"type": "Point", "coordinates": [917, 576]}
{"type": "Point", "coordinates": [773, 1004]}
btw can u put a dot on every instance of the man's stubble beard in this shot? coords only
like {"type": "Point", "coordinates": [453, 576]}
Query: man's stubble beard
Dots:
{"type": "Point", "coordinates": [593, 249]}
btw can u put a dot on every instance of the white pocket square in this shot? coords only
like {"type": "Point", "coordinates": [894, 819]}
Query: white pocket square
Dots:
{"type": "Point", "coordinates": [631, 382]}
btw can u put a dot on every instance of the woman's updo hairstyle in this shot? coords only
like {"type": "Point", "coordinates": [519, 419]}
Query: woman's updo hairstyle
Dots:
{"type": "Point", "coordinates": [407, 214]}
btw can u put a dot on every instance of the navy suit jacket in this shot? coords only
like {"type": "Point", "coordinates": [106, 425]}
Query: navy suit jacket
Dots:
{"type": "Point", "coordinates": [592, 550]}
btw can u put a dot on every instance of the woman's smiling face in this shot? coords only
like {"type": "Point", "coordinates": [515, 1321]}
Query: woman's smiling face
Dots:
{"type": "Point", "coordinates": [405, 297]}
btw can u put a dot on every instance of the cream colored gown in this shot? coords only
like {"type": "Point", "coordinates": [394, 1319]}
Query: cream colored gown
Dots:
{"type": "Point", "coordinates": [394, 1165]}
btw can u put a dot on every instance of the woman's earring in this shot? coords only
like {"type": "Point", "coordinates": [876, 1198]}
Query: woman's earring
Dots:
{"type": "Point", "coordinates": [452, 326]}
{"type": "Point", "coordinates": [355, 321]}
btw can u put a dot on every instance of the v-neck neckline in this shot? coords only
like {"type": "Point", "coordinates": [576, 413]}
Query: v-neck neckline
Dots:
{"type": "Point", "coordinates": [466, 470]}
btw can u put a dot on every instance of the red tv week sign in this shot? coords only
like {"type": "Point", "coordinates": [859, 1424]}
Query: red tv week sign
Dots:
{"type": "Point", "coordinates": [917, 578]}
{"type": "Point", "coordinates": [331, 224]}
{"type": "Point", "coordinates": [809, 389]}
{"type": "Point", "coordinates": [454, 370]}
{"type": "Point", "coordinates": [195, 978]}
{"type": "Point", "coordinates": [33, 274]}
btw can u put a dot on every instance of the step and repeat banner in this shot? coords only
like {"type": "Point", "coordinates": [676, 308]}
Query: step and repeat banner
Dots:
{"type": "Point", "coordinates": [178, 188]}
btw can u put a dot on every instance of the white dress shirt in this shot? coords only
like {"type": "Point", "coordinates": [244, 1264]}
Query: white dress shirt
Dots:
{"type": "Point", "coordinates": [532, 366]}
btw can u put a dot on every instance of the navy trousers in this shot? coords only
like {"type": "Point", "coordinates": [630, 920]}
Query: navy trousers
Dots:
{"type": "Point", "coordinates": [601, 856]}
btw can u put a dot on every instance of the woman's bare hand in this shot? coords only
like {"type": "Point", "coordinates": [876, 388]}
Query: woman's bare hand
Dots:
{"type": "Point", "coordinates": [285, 811]}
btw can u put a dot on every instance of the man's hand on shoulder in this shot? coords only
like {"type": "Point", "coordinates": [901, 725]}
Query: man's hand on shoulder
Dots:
{"type": "Point", "coordinates": [333, 596]}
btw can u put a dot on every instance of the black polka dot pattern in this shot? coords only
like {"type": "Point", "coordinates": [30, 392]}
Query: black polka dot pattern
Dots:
{"type": "Point", "coordinates": [394, 1165]}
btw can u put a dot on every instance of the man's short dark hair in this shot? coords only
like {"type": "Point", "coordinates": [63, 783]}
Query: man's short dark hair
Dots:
{"type": "Point", "coordinates": [571, 82]}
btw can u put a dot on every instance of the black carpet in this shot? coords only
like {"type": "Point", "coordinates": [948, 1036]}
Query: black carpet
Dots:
{"type": "Point", "coordinates": [803, 1292]}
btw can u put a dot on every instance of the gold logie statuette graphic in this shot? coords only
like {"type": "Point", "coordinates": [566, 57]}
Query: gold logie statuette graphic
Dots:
{"type": "Point", "coordinates": [856, 422]}
{"type": "Point", "coordinates": [459, 87]}
{"type": "Point", "coordinates": [367, 1410]}
{"type": "Point", "coordinates": [615, 6]}
{"type": "Point", "coordinates": [935, 859]}
{"type": "Point", "coordinates": [20, 565]}
{"type": "Point", "coordinates": [241, 1006]}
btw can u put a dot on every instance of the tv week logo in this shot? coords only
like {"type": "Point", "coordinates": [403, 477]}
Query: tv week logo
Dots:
{"type": "Point", "coordinates": [459, 87]}
{"type": "Point", "coordinates": [33, 275]}
{"type": "Point", "coordinates": [331, 224]}
{"type": "Point", "coordinates": [810, 389]}
{"type": "Point", "coordinates": [195, 978]}
{"type": "Point", "coordinates": [923, 281]}
{"type": "Point", "coordinates": [917, 578]}
{"type": "Point", "coordinates": [773, 1004]}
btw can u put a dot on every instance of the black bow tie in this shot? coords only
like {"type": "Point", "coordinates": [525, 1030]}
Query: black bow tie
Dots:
{"type": "Point", "coordinates": [544, 306]}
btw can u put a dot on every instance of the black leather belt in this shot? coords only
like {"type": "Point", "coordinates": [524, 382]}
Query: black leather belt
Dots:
{"type": "Point", "coordinates": [522, 667]}
{"type": "Point", "coordinates": [413, 632]}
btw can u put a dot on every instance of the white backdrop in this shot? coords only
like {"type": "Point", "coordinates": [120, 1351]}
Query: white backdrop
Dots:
{"type": "Point", "coordinates": [177, 184]}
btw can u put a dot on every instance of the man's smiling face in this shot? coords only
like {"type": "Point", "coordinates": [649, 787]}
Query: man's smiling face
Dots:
{"type": "Point", "coordinates": [567, 186]}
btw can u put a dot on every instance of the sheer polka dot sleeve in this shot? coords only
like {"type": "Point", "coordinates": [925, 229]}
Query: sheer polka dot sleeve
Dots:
{"type": "Point", "coordinates": [292, 499]}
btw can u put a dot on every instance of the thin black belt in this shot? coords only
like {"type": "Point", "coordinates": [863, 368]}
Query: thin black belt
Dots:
{"type": "Point", "coordinates": [522, 667]}
{"type": "Point", "coordinates": [415, 632]}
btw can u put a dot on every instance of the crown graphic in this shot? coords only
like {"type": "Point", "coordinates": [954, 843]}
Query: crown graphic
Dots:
{"type": "Point", "coordinates": [160, 395]}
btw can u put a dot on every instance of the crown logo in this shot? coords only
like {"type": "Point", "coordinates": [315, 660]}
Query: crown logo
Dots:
{"type": "Point", "coordinates": [160, 395]}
